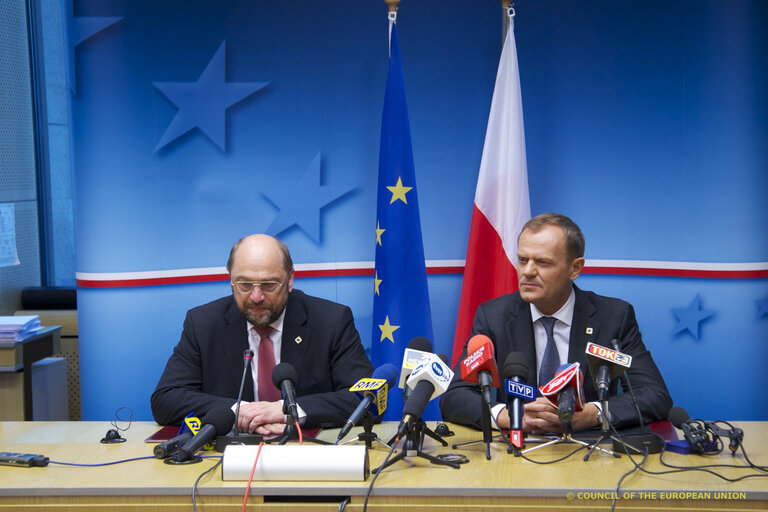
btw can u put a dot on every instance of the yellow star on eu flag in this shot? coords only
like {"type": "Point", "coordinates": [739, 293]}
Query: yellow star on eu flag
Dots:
{"type": "Point", "coordinates": [387, 330]}
{"type": "Point", "coordinates": [379, 232]}
{"type": "Point", "coordinates": [399, 191]}
{"type": "Point", "coordinates": [376, 282]}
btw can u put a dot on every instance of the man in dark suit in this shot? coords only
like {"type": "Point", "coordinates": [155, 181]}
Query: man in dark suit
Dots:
{"type": "Point", "coordinates": [315, 336]}
{"type": "Point", "coordinates": [551, 321]}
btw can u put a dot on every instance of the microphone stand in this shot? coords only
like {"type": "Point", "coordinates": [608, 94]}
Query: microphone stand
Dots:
{"type": "Point", "coordinates": [236, 437]}
{"type": "Point", "coordinates": [425, 431]}
{"type": "Point", "coordinates": [368, 435]}
{"type": "Point", "coordinates": [651, 442]}
{"type": "Point", "coordinates": [605, 433]}
{"type": "Point", "coordinates": [566, 437]}
{"type": "Point", "coordinates": [412, 447]}
{"type": "Point", "coordinates": [485, 421]}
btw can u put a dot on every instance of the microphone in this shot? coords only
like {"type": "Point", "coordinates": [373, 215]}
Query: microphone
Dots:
{"type": "Point", "coordinates": [284, 376]}
{"type": "Point", "coordinates": [247, 360]}
{"type": "Point", "coordinates": [217, 422]}
{"type": "Point", "coordinates": [480, 367]}
{"type": "Point", "coordinates": [696, 437]}
{"type": "Point", "coordinates": [236, 437]}
{"type": "Point", "coordinates": [373, 392]}
{"type": "Point", "coordinates": [171, 446]}
{"type": "Point", "coordinates": [734, 434]}
{"type": "Point", "coordinates": [418, 348]}
{"type": "Point", "coordinates": [515, 372]}
{"type": "Point", "coordinates": [605, 365]}
{"type": "Point", "coordinates": [566, 405]}
{"type": "Point", "coordinates": [568, 386]}
{"type": "Point", "coordinates": [428, 380]}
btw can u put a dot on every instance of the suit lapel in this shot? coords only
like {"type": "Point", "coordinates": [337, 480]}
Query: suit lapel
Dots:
{"type": "Point", "coordinates": [296, 335]}
{"type": "Point", "coordinates": [584, 329]}
{"type": "Point", "coordinates": [234, 341]}
{"type": "Point", "coordinates": [520, 332]}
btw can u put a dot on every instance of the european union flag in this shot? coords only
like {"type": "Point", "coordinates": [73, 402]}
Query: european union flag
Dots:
{"type": "Point", "coordinates": [401, 299]}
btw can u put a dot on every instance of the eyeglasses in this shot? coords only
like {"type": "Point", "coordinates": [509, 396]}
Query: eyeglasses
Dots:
{"type": "Point", "coordinates": [265, 286]}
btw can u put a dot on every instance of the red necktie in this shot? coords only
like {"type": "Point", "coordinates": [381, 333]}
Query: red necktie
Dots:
{"type": "Point", "coordinates": [267, 391]}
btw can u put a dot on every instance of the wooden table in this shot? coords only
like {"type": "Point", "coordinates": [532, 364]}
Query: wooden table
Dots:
{"type": "Point", "coordinates": [503, 483]}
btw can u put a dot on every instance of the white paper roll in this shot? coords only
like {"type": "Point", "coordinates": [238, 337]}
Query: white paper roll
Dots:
{"type": "Point", "coordinates": [296, 462]}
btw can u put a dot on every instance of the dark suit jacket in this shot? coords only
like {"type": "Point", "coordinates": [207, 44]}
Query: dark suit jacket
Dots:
{"type": "Point", "coordinates": [507, 322]}
{"type": "Point", "coordinates": [206, 366]}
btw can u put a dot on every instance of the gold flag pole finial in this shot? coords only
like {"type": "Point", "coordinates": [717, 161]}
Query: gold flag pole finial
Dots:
{"type": "Point", "coordinates": [392, 4]}
{"type": "Point", "coordinates": [506, 3]}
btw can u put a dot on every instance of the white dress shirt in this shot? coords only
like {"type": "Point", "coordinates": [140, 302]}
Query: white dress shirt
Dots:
{"type": "Point", "coordinates": [277, 342]}
{"type": "Point", "coordinates": [561, 331]}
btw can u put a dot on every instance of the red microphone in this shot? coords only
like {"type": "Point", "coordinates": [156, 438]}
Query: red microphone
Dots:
{"type": "Point", "coordinates": [568, 386]}
{"type": "Point", "coordinates": [480, 366]}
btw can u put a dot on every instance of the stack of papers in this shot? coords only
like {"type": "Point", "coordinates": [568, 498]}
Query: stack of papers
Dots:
{"type": "Point", "coordinates": [17, 328]}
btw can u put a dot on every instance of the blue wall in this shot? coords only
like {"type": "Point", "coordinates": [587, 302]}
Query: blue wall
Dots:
{"type": "Point", "coordinates": [646, 122]}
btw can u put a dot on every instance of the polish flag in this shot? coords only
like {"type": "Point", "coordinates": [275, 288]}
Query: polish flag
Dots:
{"type": "Point", "coordinates": [501, 204]}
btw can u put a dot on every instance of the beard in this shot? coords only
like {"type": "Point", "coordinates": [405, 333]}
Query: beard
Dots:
{"type": "Point", "coordinates": [270, 314]}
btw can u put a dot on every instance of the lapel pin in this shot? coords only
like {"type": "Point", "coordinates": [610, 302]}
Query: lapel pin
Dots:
{"type": "Point", "coordinates": [590, 330]}
{"type": "Point", "coordinates": [298, 339]}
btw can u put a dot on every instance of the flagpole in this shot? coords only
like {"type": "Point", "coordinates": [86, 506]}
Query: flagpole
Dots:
{"type": "Point", "coordinates": [501, 204]}
{"type": "Point", "coordinates": [509, 10]}
{"type": "Point", "coordinates": [392, 6]}
{"type": "Point", "coordinates": [401, 310]}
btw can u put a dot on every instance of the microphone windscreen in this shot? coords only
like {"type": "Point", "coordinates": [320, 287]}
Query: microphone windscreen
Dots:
{"type": "Point", "coordinates": [387, 372]}
{"type": "Point", "coordinates": [420, 343]}
{"type": "Point", "coordinates": [515, 366]}
{"type": "Point", "coordinates": [477, 341]}
{"type": "Point", "coordinates": [678, 416]}
{"type": "Point", "coordinates": [221, 418]}
{"type": "Point", "coordinates": [284, 371]}
{"type": "Point", "coordinates": [444, 359]}
{"type": "Point", "coordinates": [419, 398]}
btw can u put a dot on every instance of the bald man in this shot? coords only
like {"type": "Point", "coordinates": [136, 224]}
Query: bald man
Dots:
{"type": "Point", "coordinates": [279, 324]}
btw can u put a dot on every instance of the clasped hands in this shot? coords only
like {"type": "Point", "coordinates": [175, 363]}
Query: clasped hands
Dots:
{"type": "Point", "coordinates": [540, 417]}
{"type": "Point", "coordinates": [265, 418]}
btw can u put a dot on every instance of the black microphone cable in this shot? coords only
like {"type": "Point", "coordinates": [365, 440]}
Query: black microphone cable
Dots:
{"type": "Point", "coordinates": [681, 469]}
{"type": "Point", "coordinates": [378, 472]}
{"type": "Point", "coordinates": [643, 435]}
{"type": "Point", "coordinates": [625, 380]}
{"type": "Point", "coordinates": [503, 437]}
{"type": "Point", "coordinates": [574, 452]}
{"type": "Point", "coordinates": [636, 466]}
{"type": "Point", "coordinates": [749, 465]}
{"type": "Point", "coordinates": [194, 486]}
{"type": "Point", "coordinates": [741, 446]}
{"type": "Point", "coordinates": [98, 464]}
{"type": "Point", "coordinates": [625, 475]}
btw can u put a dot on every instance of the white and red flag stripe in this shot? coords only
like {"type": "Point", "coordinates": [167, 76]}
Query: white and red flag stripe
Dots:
{"type": "Point", "coordinates": [501, 205]}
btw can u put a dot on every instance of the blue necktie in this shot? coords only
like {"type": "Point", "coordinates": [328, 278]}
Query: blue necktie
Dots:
{"type": "Point", "coordinates": [551, 361]}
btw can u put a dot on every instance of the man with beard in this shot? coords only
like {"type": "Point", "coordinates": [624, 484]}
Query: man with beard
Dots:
{"type": "Point", "coordinates": [279, 324]}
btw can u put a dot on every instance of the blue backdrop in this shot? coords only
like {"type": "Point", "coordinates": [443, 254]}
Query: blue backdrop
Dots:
{"type": "Point", "coordinates": [196, 122]}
